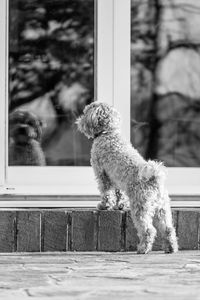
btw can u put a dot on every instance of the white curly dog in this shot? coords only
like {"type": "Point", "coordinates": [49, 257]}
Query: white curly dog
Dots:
{"type": "Point", "coordinates": [120, 168]}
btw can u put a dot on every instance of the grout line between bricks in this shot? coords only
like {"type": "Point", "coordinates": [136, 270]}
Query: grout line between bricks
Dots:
{"type": "Point", "coordinates": [97, 230]}
{"type": "Point", "coordinates": [123, 231]}
{"type": "Point", "coordinates": [15, 232]}
{"type": "Point", "coordinates": [42, 231]}
{"type": "Point", "coordinates": [96, 234]}
{"type": "Point", "coordinates": [198, 232]}
{"type": "Point", "coordinates": [177, 223]}
{"type": "Point", "coordinates": [69, 238]}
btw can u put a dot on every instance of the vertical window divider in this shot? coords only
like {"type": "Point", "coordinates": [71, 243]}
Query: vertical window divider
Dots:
{"type": "Point", "coordinates": [122, 63]}
{"type": "Point", "coordinates": [3, 90]}
{"type": "Point", "coordinates": [105, 51]}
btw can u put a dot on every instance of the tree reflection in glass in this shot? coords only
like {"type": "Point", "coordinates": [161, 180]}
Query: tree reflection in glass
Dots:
{"type": "Point", "coordinates": [165, 80]}
{"type": "Point", "coordinates": [51, 71]}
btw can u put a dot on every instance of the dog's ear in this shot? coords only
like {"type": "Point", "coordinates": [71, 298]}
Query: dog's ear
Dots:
{"type": "Point", "coordinates": [96, 117]}
{"type": "Point", "coordinates": [87, 123]}
{"type": "Point", "coordinates": [108, 116]}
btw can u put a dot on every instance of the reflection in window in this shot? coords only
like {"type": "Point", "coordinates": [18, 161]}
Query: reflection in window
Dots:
{"type": "Point", "coordinates": [165, 80]}
{"type": "Point", "coordinates": [51, 76]}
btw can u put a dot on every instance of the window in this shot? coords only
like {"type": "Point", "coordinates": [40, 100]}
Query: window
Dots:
{"type": "Point", "coordinates": [141, 56]}
{"type": "Point", "coordinates": [165, 103]}
{"type": "Point", "coordinates": [57, 54]}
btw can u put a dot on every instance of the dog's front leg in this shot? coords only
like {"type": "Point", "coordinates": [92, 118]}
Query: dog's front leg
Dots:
{"type": "Point", "coordinates": [107, 201]}
{"type": "Point", "coordinates": [106, 189]}
{"type": "Point", "coordinates": [122, 201]}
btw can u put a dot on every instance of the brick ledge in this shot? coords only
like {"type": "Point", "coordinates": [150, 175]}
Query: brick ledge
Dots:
{"type": "Point", "coordinates": [41, 230]}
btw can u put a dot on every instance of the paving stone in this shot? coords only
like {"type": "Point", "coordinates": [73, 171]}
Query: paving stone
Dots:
{"type": "Point", "coordinates": [100, 276]}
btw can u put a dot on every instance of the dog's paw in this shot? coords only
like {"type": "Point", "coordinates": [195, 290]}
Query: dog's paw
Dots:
{"type": "Point", "coordinates": [120, 206]}
{"type": "Point", "coordinates": [142, 250]}
{"type": "Point", "coordinates": [171, 249]}
{"type": "Point", "coordinates": [102, 206]}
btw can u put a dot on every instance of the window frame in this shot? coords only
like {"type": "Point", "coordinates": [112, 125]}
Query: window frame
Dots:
{"type": "Point", "coordinates": [55, 180]}
{"type": "Point", "coordinates": [183, 183]}
{"type": "Point", "coordinates": [113, 42]}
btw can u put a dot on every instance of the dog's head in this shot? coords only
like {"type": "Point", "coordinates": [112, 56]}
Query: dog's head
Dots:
{"type": "Point", "coordinates": [24, 126]}
{"type": "Point", "coordinates": [98, 118]}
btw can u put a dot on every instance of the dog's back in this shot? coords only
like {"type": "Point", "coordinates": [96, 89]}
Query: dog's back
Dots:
{"type": "Point", "coordinates": [123, 163]}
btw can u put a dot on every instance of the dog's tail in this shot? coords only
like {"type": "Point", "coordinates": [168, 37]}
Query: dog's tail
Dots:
{"type": "Point", "coordinates": [153, 171]}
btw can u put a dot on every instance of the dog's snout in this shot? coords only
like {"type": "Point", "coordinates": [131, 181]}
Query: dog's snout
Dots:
{"type": "Point", "coordinates": [78, 120]}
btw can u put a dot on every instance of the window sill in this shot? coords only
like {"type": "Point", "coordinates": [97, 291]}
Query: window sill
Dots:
{"type": "Point", "coordinates": [78, 201]}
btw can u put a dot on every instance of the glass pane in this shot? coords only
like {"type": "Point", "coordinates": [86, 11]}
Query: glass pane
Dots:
{"type": "Point", "coordinates": [51, 79]}
{"type": "Point", "coordinates": [165, 80]}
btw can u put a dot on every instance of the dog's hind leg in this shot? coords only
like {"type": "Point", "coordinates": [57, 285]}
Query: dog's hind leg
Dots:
{"type": "Point", "coordinates": [145, 230]}
{"type": "Point", "coordinates": [164, 224]}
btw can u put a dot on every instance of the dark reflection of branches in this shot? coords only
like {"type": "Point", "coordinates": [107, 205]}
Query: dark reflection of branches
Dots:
{"type": "Point", "coordinates": [152, 146]}
{"type": "Point", "coordinates": [51, 53]}
{"type": "Point", "coordinates": [53, 43]}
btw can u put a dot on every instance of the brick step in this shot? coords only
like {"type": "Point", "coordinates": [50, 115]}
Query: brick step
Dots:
{"type": "Point", "coordinates": [41, 230]}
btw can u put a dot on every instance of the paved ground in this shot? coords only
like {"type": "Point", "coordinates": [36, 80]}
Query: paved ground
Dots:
{"type": "Point", "coordinates": [94, 276]}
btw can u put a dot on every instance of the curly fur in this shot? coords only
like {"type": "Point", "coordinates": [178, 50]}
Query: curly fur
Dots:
{"type": "Point", "coordinates": [118, 166]}
{"type": "Point", "coordinates": [25, 131]}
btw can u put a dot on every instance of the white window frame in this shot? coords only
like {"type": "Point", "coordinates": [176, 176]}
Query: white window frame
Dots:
{"type": "Point", "coordinates": [113, 86]}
